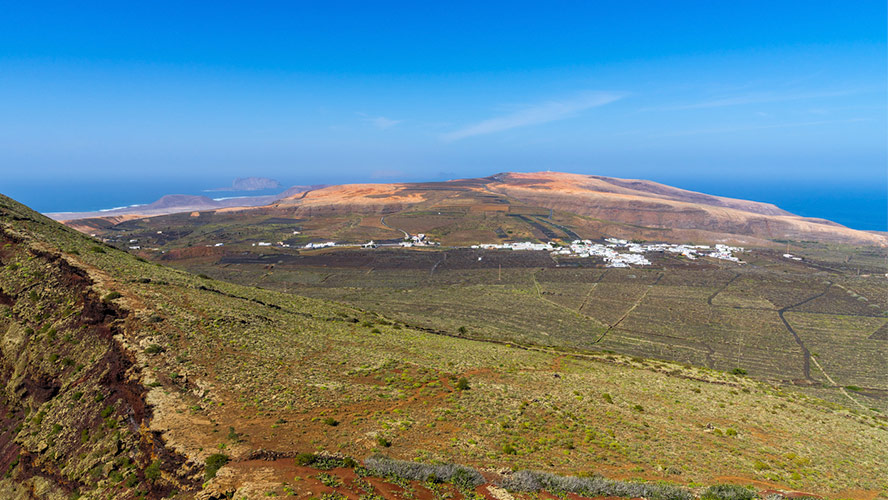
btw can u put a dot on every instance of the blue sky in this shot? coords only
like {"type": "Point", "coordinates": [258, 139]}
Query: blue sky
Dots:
{"type": "Point", "coordinates": [682, 92]}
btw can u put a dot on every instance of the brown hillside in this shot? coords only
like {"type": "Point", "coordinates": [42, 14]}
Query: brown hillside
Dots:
{"type": "Point", "coordinates": [636, 202]}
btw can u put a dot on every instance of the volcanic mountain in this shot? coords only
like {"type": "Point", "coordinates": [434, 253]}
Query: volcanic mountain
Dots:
{"type": "Point", "coordinates": [602, 205]}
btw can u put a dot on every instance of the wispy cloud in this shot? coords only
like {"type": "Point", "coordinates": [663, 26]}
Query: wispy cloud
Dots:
{"type": "Point", "coordinates": [545, 112]}
{"type": "Point", "coordinates": [753, 98]}
{"type": "Point", "coordinates": [727, 130]}
{"type": "Point", "coordinates": [379, 122]}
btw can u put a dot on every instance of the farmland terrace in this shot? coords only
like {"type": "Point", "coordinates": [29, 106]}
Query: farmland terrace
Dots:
{"type": "Point", "coordinates": [797, 322]}
{"type": "Point", "coordinates": [812, 324]}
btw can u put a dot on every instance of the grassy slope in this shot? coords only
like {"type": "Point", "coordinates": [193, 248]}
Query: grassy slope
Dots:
{"type": "Point", "coordinates": [244, 368]}
{"type": "Point", "coordinates": [720, 317]}
{"type": "Point", "coordinates": [74, 417]}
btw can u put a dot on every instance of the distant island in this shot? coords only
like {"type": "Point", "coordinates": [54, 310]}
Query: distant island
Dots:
{"type": "Point", "coordinates": [177, 203]}
{"type": "Point", "coordinates": [251, 184]}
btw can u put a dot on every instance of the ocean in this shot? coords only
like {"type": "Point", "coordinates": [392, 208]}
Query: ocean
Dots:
{"type": "Point", "coordinates": [862, 207]}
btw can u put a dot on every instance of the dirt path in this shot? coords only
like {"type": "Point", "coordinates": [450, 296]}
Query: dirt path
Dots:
{"type": "Point", "coordinates": [438, 263]}
{"type": "Point", "coordinates": [626, 314]}
{"type": "Point", "coordinates": [539, 290]}
{"type": "Point", "coordinates": [833, 382]}
{"type": "Point", "coordinates": [709, 352]}
{"type": "Point", "coordinates": [721, 289]}
{"type": "Point", "coordinates": [591, 289]}
{"type": "Point", "coordinates": [806, 354]}
{"type": "Point", "coordinates": [406, 234]}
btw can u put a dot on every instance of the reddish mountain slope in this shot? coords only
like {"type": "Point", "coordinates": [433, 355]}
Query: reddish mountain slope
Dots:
{"type": "Point", "coordinates": [635, 202]}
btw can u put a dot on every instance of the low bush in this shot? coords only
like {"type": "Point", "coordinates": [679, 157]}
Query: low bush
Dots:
{"type": "Point", "coordinates": [463, 477]}
{"type": "Point", "coordinates": [131, 481]}
{"type": "Point", "coordinates": [462, 384]}
{"type": "Point", "coordinates": [233, 435]}
{"type": "Point", "coordinates": [329, 480]}
{"type": "Point", "coordinates": [107, 411]}
{"type": "Point", "coordinates": [728, 492]}
{"type": "Point", "coordinates": [214, 463]}
{"type": "Point", "coordinates": [111, 296]}
{"type": "Point", "coordinates": [324, 462]}
{"type": "Point", "coordinates": [153, 349]}
{"type": "Point", "coordinates": [595, 486]}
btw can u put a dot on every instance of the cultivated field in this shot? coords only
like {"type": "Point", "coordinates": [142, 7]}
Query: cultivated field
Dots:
{"type": "Point", "coordinates": [786, 322]}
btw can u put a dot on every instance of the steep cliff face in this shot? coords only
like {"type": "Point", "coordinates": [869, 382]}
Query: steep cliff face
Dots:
{"type": "Point", "coordinates": [73, 417]}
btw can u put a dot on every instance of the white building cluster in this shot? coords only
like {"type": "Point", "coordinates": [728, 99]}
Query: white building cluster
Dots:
{"type": "Point", "coordinates": [621, 253]}
{"type": "Point", "coordinates": [608, 252]}
{"type": "Point", "coordinates": [326, 244]}
{"type": "Point", "coordinates": [520, 245]}
{"type": "Point", "coordinates": [418, 240]}
{"type": "Point", "coordinates": [719, 251]}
